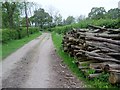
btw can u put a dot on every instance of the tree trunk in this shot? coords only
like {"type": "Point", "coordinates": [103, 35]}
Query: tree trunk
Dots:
{"type": "Point", "coordinates": [26, 19]}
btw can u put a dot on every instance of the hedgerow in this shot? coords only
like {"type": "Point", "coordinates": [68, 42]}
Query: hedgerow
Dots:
{"type": "Point", "coordinates": [108, 23]}
{"type": "Point", "coordinates": [13, 34]}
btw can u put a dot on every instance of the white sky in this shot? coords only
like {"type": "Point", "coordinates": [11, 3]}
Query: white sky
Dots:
{"type": "Point", "coordinates": [76, 7]}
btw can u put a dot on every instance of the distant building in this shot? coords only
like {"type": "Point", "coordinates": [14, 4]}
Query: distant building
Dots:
{"type": "Point", "coordinates": [119, 4]}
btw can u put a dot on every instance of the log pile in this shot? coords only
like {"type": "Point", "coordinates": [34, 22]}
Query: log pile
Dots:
{"type": "Point", "coordinates": [97, 48]}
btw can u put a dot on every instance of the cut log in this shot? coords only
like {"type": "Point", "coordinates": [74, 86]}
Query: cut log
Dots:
{"type": "Point", "coordinates": [113, 46]}
{"type": "Point", "coordinates": [83, 67]}
{"type": "Point", "coordinates": [114, 78]}
{"type": "Point", "coordinates": [95, 65]}
{"type": "Point", "coordinates": [98, 70]}
{"type": "Point", "coordinates": [82, 30]}
{"type": "Point", "coordinates": [102, 65]}
{"type": "Point", "coordinates": [91, 76]}
{"type": "Point", "coordinates": [114, 31]}
{"type": "Point", "coordinates": [70, 38]}
{"type": "Point", "coordinates": [117, 71]}
{"type": "Point", "coordinates": [82, 59]}
{"type": "Point", "coordinates": [104, 59]}
{"type": "Point", "coordinates": [103, 40]}
{"type": "Point", "coordinates": [89, 53]}
{"type": "Point", "coordinates": [97, 27]}
{"type": "Point", "coordinates": [101, 47]}
{"type": "Point", "coordinates": [86, 62]}
{"type": "Point", "coordinates": [65, 49]}
{"type": "Point", "coordinates": [114, 55]}
{"type": "Point", "coordinates": [95, 51]}
{"type": "Point", "coordinates": [109, 67]}
{"type": "Point", "coordinates": [75, 47]}
{"type": "Point", "coordinates": [97, 31]}
{"type": "Point", "coordinates": [112, 36]}
{"type": "Point", "coordinates": [68, 44]}
{"type": "Point", "coordinates": [104, 45]}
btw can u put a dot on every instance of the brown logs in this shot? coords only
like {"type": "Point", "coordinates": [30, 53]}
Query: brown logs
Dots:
{"type": "Point", "coordinates": [97, 49]}
{"type": "Point", "coordinates": [104, 40]}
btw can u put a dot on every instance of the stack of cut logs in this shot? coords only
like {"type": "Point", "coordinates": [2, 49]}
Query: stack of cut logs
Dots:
{"type": "Point", "coordinates": [96, 48]}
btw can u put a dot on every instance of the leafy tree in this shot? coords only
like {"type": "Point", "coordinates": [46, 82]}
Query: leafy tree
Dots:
{"type": "Point", "coordinates": [113, 13]}
{"type": "Point", "coordinates": [81, 17]}
{"type": "Point", "coordinates": [97, 13]}
{"type": "Point", "coordinates": [64, 22]}
{"type": "Point", "coordinates": [70, 20]}
{"type": "Point", "coordinates": [0, 15]}
{"type": "Point", "coordinates": [58, 20]}
{"type": "Point", "coordinates": [41, 18]}
{"type": "Point", "coordinates": [54, 13]}
{"type": "Point", "coordinates": [8, 11]}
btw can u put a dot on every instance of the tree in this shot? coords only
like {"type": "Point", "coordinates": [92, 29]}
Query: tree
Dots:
{"type": "Point", "coordinates": [8, 11]}
{"type": "Point", "coordinates": [113, 13]}
{"type": "Point", "coordinates": [58, 20]}
{"type": "Point", "coordinates": [41, 18]}
{"type": "Point", "coordinates": [11, 14]}
{"type": "Point", "coordinates": [48, 20]}
{"type": "Point", "coordinates": [97, 13]}
{"type": "Point", "coordinates": [81, 17]}
{"type": "Point", "coordinates": [70, 20]}
{"type": "Point", "coordinates": [26, 15]}
{"type": "Point", "coordinates": [56, 17]}
{"type": "Point", "coordinates": [64, 22]}
{"type": "Point", "coordinates": [0, 15]}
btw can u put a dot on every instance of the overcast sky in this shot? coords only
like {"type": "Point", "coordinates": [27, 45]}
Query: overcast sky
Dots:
{"type": "Point", "coordinates": [76, 7]}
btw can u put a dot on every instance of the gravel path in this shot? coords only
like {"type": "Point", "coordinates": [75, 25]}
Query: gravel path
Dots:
{"type": "Point", "coordinates": [36, 65]}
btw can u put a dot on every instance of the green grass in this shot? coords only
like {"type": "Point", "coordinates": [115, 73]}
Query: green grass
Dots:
{"type": "Point", "coordinates": [100, 82]}
{"type": "Point", "coordinates": [12, 46]}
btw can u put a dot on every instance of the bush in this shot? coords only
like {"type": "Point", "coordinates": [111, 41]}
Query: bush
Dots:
{"type": "Point", "coordinates": [62, 29]}
{"type": "Point", "coordinates": [12, 34]}
{"type": "Point", "coordinates": [33, 30]}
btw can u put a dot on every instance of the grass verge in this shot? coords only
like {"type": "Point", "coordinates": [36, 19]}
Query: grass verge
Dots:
{"type": "Point", "coordinates": [12, 46]}
{"type": "Point", "coordinates": [100, 82]}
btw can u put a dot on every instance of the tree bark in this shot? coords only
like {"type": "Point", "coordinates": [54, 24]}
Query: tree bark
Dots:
{"type": "Point", "coordinates": [26, 19]}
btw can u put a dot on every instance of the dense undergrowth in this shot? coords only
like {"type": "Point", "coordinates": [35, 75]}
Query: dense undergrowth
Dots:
{"type": "Point", "coordinates": [100, 82]}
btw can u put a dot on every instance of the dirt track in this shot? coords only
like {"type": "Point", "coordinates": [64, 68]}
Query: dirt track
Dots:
{"type": "Point", "coordinates": [36, 65]}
